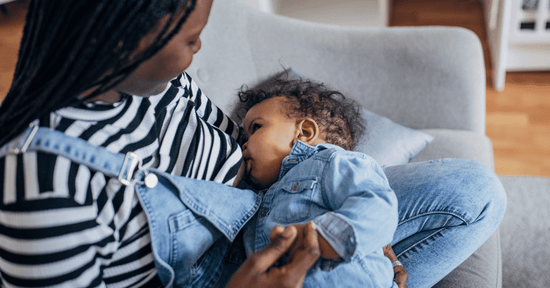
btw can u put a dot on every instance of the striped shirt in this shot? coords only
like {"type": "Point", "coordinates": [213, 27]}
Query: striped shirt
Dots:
{"type": "Point", "coordinates": [64, 224]}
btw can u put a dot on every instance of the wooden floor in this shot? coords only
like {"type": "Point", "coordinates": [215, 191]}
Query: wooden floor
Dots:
{"type": "Point", "coordinates": [11, 28]}
{"type": "Point", "coordinates": [518, 119]}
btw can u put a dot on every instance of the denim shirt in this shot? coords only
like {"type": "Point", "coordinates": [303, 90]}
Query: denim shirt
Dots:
{"type": "Point", "coordinates": [348, 197]}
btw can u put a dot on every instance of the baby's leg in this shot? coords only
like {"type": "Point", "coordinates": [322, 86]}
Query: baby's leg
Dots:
{"type": "Point", "coordinates": [447, 210]}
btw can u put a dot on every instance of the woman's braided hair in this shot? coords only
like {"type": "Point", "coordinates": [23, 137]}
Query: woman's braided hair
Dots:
{"type": "Point", "coordinates": [71, 46]}
{"type": "Point", "coordinates": [338, 117]}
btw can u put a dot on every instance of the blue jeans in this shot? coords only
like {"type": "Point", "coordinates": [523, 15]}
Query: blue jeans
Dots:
{"type": "Point", "coordinates": [447, 209]}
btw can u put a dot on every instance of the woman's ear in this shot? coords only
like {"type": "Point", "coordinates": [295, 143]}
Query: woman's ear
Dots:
{"type": "Point", "coordinates": [308, 131]}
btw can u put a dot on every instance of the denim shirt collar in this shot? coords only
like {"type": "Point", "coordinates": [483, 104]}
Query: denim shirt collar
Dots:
{"type": "Point", "coordinates": [300, 152]}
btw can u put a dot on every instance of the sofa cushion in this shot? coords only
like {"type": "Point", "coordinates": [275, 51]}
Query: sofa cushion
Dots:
{"type": "Point", "coordinates": [388, 142]}
{"type": "Point", "coordinates": [462, 144]}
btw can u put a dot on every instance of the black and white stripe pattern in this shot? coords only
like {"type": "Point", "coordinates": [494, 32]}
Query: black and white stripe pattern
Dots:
{"type": "Point", "coordinates": [65, 225]}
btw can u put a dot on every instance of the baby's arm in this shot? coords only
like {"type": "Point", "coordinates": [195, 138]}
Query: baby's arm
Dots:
{"type": "Point", "coordinates": [364, 208]}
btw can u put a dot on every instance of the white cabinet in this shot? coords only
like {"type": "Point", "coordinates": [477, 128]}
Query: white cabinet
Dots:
{"type": "Point", "coordinates": [519, 36]}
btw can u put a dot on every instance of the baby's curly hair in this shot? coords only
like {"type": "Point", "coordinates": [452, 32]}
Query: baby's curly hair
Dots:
{"type": "Point", "coordinates": [338, 117]}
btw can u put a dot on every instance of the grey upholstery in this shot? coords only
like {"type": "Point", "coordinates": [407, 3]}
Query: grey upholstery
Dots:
{"type": "Point", "coordinates": [457, 144]}
{"type": "Point", "coordinates": [526, 232]}
{"type": "Point", "coordinates": [421, 78]}
{"type": "Point", "coordinates": [429, 78]}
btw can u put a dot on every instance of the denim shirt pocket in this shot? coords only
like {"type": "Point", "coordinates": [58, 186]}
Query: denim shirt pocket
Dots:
{"type": "Point", "coordinates": [294, 199]}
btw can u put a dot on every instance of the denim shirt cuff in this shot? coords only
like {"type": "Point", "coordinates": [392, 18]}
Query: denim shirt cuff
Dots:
{"type": "Point", "coordinates": [338, 233]}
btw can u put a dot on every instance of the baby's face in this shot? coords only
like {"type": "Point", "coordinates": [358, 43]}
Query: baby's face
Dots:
{"type": "Point", "coordinates": [271, 134]}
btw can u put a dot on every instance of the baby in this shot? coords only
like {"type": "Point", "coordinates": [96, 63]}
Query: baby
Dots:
{"type": "Point", "coordinates": [297, 152]}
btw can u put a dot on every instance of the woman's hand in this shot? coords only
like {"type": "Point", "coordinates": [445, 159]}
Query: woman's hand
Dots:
{"type": "Point", "coordinates": [327, 251]}
{"type": "Point", "coordinates": [400, 275]}
{"type": "Point", "coordinates": [258, 269]}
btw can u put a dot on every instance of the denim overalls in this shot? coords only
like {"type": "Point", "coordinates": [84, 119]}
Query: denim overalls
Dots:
{"type": "Point", "coordinates": [187, 218]}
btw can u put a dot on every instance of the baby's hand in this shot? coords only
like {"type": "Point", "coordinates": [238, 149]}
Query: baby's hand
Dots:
{"type": "Point", "coordinates": [400, 274]}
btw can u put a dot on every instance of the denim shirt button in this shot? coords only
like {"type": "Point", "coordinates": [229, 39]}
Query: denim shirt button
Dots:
{"type": "Point", "coordinates": [296, 186]}
{"type": "Point", "coordinates": [151, 180]}
{"type": "Point", "coordinates": [263, 213]}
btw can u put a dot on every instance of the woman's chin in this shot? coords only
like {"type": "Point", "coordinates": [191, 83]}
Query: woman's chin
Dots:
{"type": "Point", "coordinates": [156, 91]}
{"type": "Point", "coordinates": [147, 92]}
{"type": "Point", "coordinates": [161, 89]}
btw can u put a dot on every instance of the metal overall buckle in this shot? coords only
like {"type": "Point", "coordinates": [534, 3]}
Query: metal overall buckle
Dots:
{"type": "Point", "coordinates": [26, 140]}
{"type": "Point", "coordinates": [129, 165]}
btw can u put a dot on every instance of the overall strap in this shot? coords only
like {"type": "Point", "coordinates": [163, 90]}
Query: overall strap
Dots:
{"type": "Point", "coordinates": [47, 140]}
{"type": "Point", "coordinates": [175, 210]}
{"type": "Point", "coordinates": [126, 168]}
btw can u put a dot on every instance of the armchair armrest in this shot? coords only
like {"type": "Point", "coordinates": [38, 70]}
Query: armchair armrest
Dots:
{"type": "Point", "coordinates": [424, 78]}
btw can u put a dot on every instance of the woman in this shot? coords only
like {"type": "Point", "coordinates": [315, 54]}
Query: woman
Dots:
{"type": "Point", "coordinates": [66, 223]}
{"type": "Point", "coordinates": [70, 224]}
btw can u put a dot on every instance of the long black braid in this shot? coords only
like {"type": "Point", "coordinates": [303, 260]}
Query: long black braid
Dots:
{"type": "Point", "coordinates": [71, 46]}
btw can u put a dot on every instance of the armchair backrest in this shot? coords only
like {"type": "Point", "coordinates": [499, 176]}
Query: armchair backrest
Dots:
{"type": "Point", "coordinates": [428, 77]}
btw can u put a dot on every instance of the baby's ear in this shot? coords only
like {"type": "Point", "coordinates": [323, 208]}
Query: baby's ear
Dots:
{"type": "Point", "coordinates": [308, 131]}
